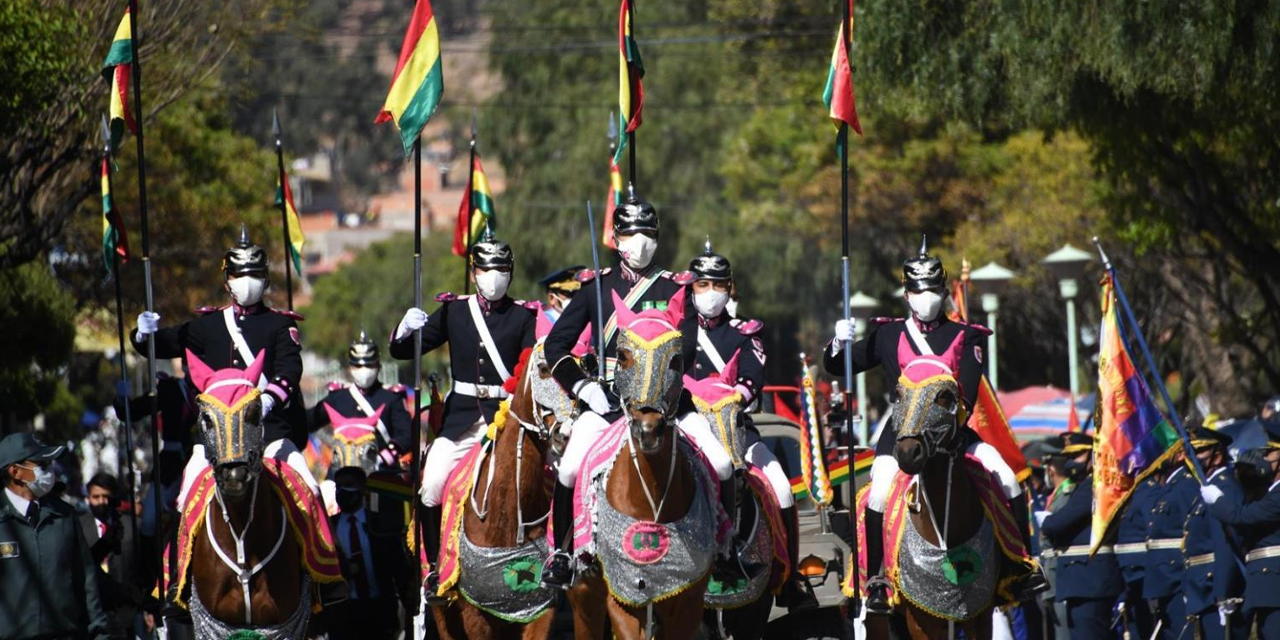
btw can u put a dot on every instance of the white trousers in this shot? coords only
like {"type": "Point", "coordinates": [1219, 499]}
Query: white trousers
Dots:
{"type": "Point", "coordinates": [283, 450]}
{"type": "Point", "coordinates": [442, 456]}
{"type": "Point", "coordinates": [589, 426]}
{"type": "Point", "coordinates": [758, 455]}
{"type": "Point", "coordinates": [885, 467]}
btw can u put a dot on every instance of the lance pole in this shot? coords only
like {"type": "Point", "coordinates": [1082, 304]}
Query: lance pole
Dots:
{"type": "Point", "coordinates": [595, 264]}
{"type": "Point", "coordinates": [122, 391]}
{"type": "Point", "coordinates": [284, 205]}
{"type": "Point", "coordinates": [416, 463]}
{"type": "Point", "coordinates": [631, 133]}
{"type": "Point", "coordinates": [139, 119]}
{"type": "Point", "coordinates": [471, 210]}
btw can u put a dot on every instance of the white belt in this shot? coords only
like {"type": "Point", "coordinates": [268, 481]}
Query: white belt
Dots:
{"type": "Point", "coordinates": [1083, 550]}
{"type": "Point", "coordinates": [1195, 561]}
{"type": "Point", "coordinates": [482, 391]}
{"type": "Point", "coordinates": [1165, 543]}
{"type": "Point", "coordinates": [1260, 554]}
{"type": "Point", "coordinates": [1131, 547]}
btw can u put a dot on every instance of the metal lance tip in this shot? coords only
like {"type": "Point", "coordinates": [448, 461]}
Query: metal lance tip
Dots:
{"type": "Point", "coordinates": [106, 134]}
{"type": "Point", "coordinates": [275, 125]}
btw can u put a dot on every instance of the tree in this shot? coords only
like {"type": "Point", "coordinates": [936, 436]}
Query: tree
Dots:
{"type": "Point", "coordinates": [36, 343]}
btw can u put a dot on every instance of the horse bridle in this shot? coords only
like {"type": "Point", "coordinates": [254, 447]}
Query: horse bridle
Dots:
{"type": "Point", "coordinates": [243, 574]}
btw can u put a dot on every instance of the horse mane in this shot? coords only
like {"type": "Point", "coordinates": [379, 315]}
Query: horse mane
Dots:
{"type": "Point", "coordinates": [523, 363]}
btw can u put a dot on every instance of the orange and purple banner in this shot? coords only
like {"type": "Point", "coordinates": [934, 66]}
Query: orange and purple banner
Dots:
{"type": "Point", "coordinates": [1132, 436]}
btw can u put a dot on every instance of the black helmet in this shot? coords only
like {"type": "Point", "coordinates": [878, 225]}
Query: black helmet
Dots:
{"type": "Point", "coordinates": [363, 353]}
{"type": "Point", "coordinates": [245, 258]}
{"type": "Point", "coordinates": [710, 265]}
{"type": "Point", "coordinates": [923, 272]}
{"type": "Point", "coordinates": [491, 254]}
{"type": "Point", "coordinates": [634, 215]}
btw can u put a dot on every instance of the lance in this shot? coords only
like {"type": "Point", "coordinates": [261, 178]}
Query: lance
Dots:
{"type": "Point", "coordinates": [284, 205]}
{"type": "Point", "coordinates": [631, 135]}
{"type": "Point", "coordinates": [843, 145]}
{"type": "Point", "coordinates": [146, 271]}
{"type": "Point", "coordinates": [122, 391]}
{"type": "Point", "coordinates": [417, 343]}
{"type": "Point", "coordinates": [595, 264]}
{"type": "Point", "coordinates": [471, 208]}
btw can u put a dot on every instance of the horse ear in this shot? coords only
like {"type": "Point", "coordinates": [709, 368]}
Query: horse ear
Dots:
{"type": "Point", "coordinates": [730, 374]}
{"type": "Point", "coordinates": [675, 308]}
{"type": "Point", "coordinates": [200, 372]}
{"type": "Point", "coordinates": [905, 354]}
{"type": "Point", "coordinates": [377, 414]}
{"type": "Point", "coordinates": [335, 418]}
{"type": "Point", "coordinates": [624, 313]}
{"type": "Point", "coordinates": [953, 353]}
{"type": "Point", "coordinates": [254, 370]}
{"type": "Point", "coordinates": [543, 326]}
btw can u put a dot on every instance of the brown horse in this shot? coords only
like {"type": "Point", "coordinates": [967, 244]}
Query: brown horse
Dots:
{"type": "Point", "coordinates": [246, 565]}
{"type": "Point", "coordinates": [652, 480]}
{"type": "Point", "coordinates": [507, 509]}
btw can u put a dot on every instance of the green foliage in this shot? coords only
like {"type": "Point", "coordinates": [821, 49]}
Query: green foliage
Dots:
{"type": "Point", "coordinates": [34, 60]}
{"type": "Point", "coordinates": [37, 342]}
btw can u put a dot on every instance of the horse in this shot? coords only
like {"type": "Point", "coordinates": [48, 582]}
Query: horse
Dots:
{"type": "Point", "coordinates": [355, 441]}
{"type": "Point", "coordinates": [248, 573]}
{"type": "Point", "coordinates": [945, 559]}
{"type": "Point", "coordinates": [501, 541]}
{"type": "Point", "coordinates": [650, 490]}
{"type": "Point", "coordinates": [739, 611]}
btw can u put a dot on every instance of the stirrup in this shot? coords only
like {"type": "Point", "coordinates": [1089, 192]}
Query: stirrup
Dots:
{"type": "Point", "coordinates": [878, 596]}
{"type": "Point", "coordinates": [1030, 586]}
{"type": "Point", "coordinates": [797, 595]}
{"type": "Point", "coordinates": [558, 572]}
{"type": "Point", "coordinates": [431, 597]}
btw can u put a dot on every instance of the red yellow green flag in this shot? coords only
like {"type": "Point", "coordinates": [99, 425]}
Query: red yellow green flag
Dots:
{"type": "Point", "coordinates": [116, 69]}
{"type": "Point", "coordinates": [418, 82]}
{"type": "Point", "coordinates": [630, 72]}
{"type": "Point", "coordinates": [285, 195]}
{"type": "Point", "coordinates": [114, 240]}
{"type": "Point", "coordinates": [611, 202]}
{"type": "Point", "coordinates": [476, 210]}
{"type": "Point", "coordinates": [812, 459]}
{"type": "Point", "coordinates": [838, 94]}
{"type": "Point", "coordinates": [1132, 436]}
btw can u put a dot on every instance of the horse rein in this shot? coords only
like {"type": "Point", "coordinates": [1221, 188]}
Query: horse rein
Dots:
{"type": "Point", "coordinates": [238, 565]}
{"type": "Point", "coordinates": [539, 431]}
{"type": "Point", "coordinates": [671, 472]}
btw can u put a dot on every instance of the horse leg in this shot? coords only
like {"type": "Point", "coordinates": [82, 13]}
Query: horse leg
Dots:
{"type": "Point", "coordinates": [539, 629]}
{"type": "Point", "coordinates": [681, 616]}
{"type": "Point", "coordinates": [980, 626]}
{"type": "Point", "coordinates": [587, 600]}
{"type": "Point", "coordinates": [628, 622]}
{"type": "Point", "coordinates": [922, 626]}
{"type": "Point", "coordinates": [450, 621]}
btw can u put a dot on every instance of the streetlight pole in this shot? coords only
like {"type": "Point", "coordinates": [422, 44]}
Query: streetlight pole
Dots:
{"type": "Point", "coordinates": [992, 280]}
{"type": "Point", "coordinates": [1068, 264]}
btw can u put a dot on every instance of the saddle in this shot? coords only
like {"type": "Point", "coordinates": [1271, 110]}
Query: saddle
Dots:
{"type": "Point", "coordinates": [764, 543]}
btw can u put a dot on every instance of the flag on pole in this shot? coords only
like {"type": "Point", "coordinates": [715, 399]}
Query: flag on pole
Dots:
{"type": "Point", "coordinates": [989, 422]}
{"type": "Point", "coordinates": [959, 311]}
{"type": "Point", "coordinates": [612, 200]}
{"type": "Point", "coordinates": [812, 460]}
{"type": "Point", "coordinates": [116, 69]}
{"type": "Point", "coordinates": [475, 212]}
{"type": "Point", "coordinates": [296, 239]}
{"type": "Point", "coordinates": [114, 241]}
{"type": "Point", "coordinates": [1132, 436]}
{"type": "Point", "coordinates": [838, 94]}
{"type": "Point", "coordinates": [630, 72]}
{"type": "Point", "coordinates": [1073, 418]}
{"type": "Point", "coordinates": [418, 81]}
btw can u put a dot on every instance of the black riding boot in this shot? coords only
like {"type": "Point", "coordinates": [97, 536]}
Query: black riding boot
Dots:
{"type": "Point", "coordinates": [559, 570]}
{"type": "Point", "coordinates": [1032, 582]}
{"type": "Point", "coordinates": [431, 543]}
{"type": "Point", "coordinates": [729, 568]}
{"type": "Point", "coordinates": [877, 587]}
{"type": "Point", "coordinates": [796, 594]}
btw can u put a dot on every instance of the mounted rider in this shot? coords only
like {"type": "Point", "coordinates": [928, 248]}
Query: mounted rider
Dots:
{"type": "Point", "coordinates": [720, 336]}
{"type": "Point", "coordinates": [486, 334]}
{"type": "Point", "coordinates": [640, 285]}
{"type": "Point", "coordinates": [928, 331]}
{"type": "Point", "coordinates": [230, 337]}
{"type": "Point", "coordinates": [364, 397]}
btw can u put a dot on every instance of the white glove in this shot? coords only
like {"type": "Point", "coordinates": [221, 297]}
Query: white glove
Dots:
{"type": "Point", "coordinates": [148, 323]}
{"type": "Point", "coordinates": [413, 320]}
{"type": "Point", "coordinates": [594, 396]}
{"type": "Point", "coordinates": [1040, 516]}
{"type": "Point", "coordinates": [844, 331]}
{"type": "Point", "coordinates": [268, 403]}
{"type": "Point", "coordinates": [1210, 493]}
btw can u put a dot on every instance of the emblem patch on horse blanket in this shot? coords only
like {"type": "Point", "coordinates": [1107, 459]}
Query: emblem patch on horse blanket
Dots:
{"type": "Point", "coordinates": [955, 584]}
{"type": "Point", "coordinates": [506, 582]}
{"type": "Point", "coordinates": [1006, 538]}
{"type": "Point", "coordinates": [306, 515]}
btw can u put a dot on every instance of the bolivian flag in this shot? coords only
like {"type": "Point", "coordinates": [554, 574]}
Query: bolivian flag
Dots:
{"type": "Point", "coordinates": [418, 81]}
{"type": "Point", "coordinates": [116, 69]}
{"type": "Point", "coordinates": [114, 241]}
{"type": "Point", "coordinates": [611, 202]}
{"type": "Point", "coordinates": [838, 94]}
{"type": "Point", "coordinates": [476, 210]}
{"type": "Point", "coordinates": [630, 71]}
{"type": "Point", "coordinates": [284, 195]}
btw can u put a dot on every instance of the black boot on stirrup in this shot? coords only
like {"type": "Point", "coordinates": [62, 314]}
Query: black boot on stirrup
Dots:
{"type": "Point", "coordinates": [558, 573]}
{"type": "Point", "coordinates": [431, 541]}
{"type": "Point", "coordinates": [877, 588]}
{"type": "Point", "coordinates": [796, 594]}
{"type": "Point", "coordinates": [730, 568]}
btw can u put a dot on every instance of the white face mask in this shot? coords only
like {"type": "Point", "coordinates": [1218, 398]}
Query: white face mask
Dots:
{"type": "Point", "coordinates": [637, 251]}
{"type": "Point", "coordinates": [247, 290]}
{"type": "Point", "coordinates": [493, 284]}
{"type": "Point", "coordinates": [364, 377]}
{"type": "Point", "coordinates": [42, 484]}
{"type": "Point", "coordinates": [710, 303]}
{"type": "Point", "coordinates": [925, 305]}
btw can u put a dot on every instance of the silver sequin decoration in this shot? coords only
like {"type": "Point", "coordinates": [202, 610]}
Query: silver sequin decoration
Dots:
{"type": "Point", "coordinates": [693, 543]}
{"type": "Point", "coordinates": [923, 582]}
{"type": "Point", "coordinates": [505, 581]}
{"type": "Point", "coordinates": [208, 627]}
{"type": "Point", "coordinates": [757, 549]}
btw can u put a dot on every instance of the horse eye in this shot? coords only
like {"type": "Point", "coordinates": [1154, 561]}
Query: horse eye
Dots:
{"type": "Point", "coordinates": [544, 371]}
{"type": "Point", "coordinates": [624, 358]}
{"type": "Point", "coordinates": [946, 400]}
{"type": "Point", "coordinates": [206, 422]}
{"type": "Point", "coordinates": [677, 364]}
